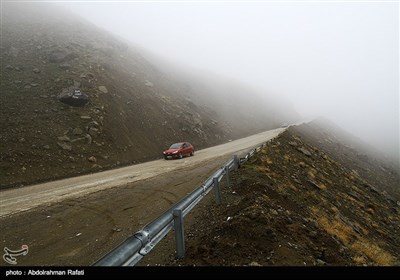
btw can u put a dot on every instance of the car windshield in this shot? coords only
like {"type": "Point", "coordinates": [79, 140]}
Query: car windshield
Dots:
{"type": "Point", "coordinates": [175, 146]}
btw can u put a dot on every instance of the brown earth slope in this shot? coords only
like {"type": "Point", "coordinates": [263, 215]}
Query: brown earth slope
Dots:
{"type": "Point", "coordinates": [134, 110]}
{"type": "Point", "coordinates": [293, 204]}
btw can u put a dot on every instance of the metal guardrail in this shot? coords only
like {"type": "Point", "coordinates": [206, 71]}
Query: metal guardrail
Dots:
{"type": "Point", "coordinates": [133, 249]}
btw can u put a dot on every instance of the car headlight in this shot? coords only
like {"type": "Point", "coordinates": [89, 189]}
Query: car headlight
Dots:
{"type": "Point", "coordinates": [164, 153]}
{"type": "Point", "coordinates": [175, 152]}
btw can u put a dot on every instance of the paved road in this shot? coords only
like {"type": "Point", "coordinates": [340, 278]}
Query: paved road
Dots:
{"type": "Point", "coordinates": [22, 199]}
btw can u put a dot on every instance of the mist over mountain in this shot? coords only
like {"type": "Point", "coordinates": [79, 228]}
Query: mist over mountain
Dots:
{"type": "Point", "coordinates": [133, 108]}
{"type": "Point", "coordinates": [336, 59]}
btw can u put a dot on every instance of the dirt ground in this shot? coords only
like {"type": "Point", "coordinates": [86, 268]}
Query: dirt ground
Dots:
{"type": "Point", "coordinates": [78, 231]}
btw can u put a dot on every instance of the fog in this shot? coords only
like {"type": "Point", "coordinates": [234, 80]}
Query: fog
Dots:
{"type": "Point", "coordinates": [339, 60]}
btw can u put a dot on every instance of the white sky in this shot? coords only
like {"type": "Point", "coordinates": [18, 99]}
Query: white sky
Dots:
{"type": "Point", "coordinates": [336, 59]}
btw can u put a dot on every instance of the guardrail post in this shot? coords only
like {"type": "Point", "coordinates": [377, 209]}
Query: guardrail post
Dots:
{"type": "Point", "coordinates": [217, 190]}
{"type": "Point", "coordinates": [236, 160]}
{"type": "Point", "coordinates": [179, 233]}
{"type": "Point", "coordinates": [227, 176]}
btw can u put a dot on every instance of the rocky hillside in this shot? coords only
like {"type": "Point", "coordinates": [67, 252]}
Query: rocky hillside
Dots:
{"type": "Point", "coordinates": [125, 111]}
{"type": "Point", "coordinates": [379, 172]}
{"type": "Point", "coordinates": [297, 204]}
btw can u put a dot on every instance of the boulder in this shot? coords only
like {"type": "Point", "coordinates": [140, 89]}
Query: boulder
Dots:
{"type": "Point", "coordinates": [60, 56]}
{"type": "Point", "coordinates": [75, 98]}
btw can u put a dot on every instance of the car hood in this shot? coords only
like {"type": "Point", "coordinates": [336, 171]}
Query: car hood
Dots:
{"type": "Point", "coordinates": [169, 151]}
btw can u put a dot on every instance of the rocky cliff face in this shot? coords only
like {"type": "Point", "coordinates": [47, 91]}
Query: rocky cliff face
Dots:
{"type": "Point", "coordinates": [131, 110]}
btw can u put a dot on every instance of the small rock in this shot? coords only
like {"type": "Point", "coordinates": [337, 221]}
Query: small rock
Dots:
{"type": "Point", "coordinates": [9, 67]}
{"type": "Point", "coordinates": [93, 124]}
{"type": "Point", "coordinates": [292, 143]}
{"type": "Point", "coordinates": [36, 70]}
{"type": "Point", "coordinates": [88, 138]}
{"type": "Point", "coordinates": [78, 139]}
{"type": "Point", "coordinates": [148, 83]}
{"type": "Point", "coordinates": [65, 66]}
{"type": "Point", "coordinates": [85, 117]}
{"type": "Point", "coordinates": [315, 184]}
{"type": "Point", "coordinates": [79, 234]}
{"type": "Point", "coordinates": [304, 151]}
{"type": "Point", "coordinates": [103, 89]}
{"type": "Point", "coordinates": [297, 181]}
{"type": "Point", "coordinates": [253, 263]}
{"type": "Point", "coordinates": [77, 131]}
{"type": "Point", "coordinates": [34, 84]}
{"type": "Point", "coordinates": [302, 164]}
{"type": "Point", "coordinates": [320, 262]}
{"type": "Point", "coordinates": [93, 131]}
{"type": "Point", "coordinates": [46, 147]}
{"type": "Point", "coordinates": [64, 138]}
{"type": "Point", "coordinates": [92, 159]}
{"type": "Point", "coordinates": [313, 234]}
{"type": "Point", "coordinates": [65, 146]}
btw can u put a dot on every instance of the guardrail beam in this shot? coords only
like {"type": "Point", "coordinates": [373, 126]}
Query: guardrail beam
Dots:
{"type": "Point", "coordinates": [138, 245]}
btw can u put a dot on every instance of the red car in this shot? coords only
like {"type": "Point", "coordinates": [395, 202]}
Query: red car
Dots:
{"type": "Point", "coordinates": [179, 150]}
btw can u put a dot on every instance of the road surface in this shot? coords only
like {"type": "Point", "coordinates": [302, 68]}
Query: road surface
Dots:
{"type": "Point", "coordinates": [22, 199]}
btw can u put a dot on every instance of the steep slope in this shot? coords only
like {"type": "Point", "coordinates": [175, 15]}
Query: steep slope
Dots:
{"type": "Point", "coordinates": [293, 204]}
{"type": "Point", "coordinates": [378, 171]}
{"type": "Point", "coordinates": [133, 112]}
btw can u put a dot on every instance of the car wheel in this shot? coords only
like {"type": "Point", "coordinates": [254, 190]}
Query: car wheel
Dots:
{"type": "Point", "coordinates": [165, 157]}
{"type": "Point", "coordinates": [180, 155]}
{"type": "Point", "coordinates": [191, 153]}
